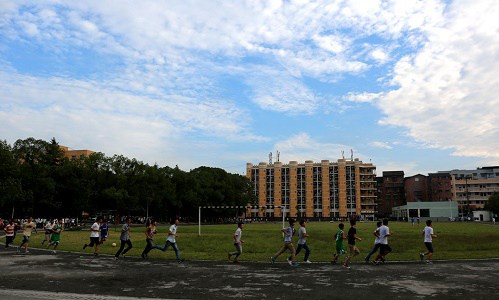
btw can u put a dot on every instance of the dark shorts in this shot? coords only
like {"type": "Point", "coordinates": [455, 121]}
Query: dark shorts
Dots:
{"type": "Point", "coordinates": [94, 241]}
{"type": "Point", "coordinates": [429, 246]}
{"type": "Point", "coordinates": [385, 249]}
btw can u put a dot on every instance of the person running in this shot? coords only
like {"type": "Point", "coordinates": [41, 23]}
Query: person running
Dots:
{"type": "Point", "coordinates": [94, 236]}
{"type": "Point", "coordinates": [302, 241]}
{"type": "Point", "coordinates": [376, 242]}
{"type": "Point", "coordinates": [339, 237]}
{"type": "Point", "coordinates": [48, 228]}
{"type": "Point", "coordinates": [150, 232]}
{"type": "Point", "coordinates": [237, 243]}
{"type": "Point", "coordinates": [428, 236]}
{"type": "Point", "coordinates": [384, 249]}
{"type": "Point", "coordinates": [55, 238]}
{"type": "Point", "coordinates": [124, 239]}
{"type": "Point", "coordinates": [104, 230]}
{"type": "Point", "coordinates": [352, 249]}
{"type": "Point", "coordinates": [288, 244]}
{"type": "Point", "coordinates": [170, 240]}
{"type": "Point", "coordinates": [27, 229]}
{"type": "Point", "coordinates": [9, 230]}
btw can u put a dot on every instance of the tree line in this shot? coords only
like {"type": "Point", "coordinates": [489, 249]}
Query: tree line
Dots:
{"type": "Point", "coordinates": [37, 180]}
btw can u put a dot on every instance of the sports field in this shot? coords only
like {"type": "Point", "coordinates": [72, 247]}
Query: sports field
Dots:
{"type": "Point", "coordinates": [456, 240]}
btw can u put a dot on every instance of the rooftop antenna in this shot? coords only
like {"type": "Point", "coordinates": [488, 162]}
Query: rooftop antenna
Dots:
{"type": "Point", "coordinates": [270, 158]}
{"type": "Point", "coordinates": [278, 154]}
{"type": "Point", "coordinates": [351, 154]}
{"type": "Point", "coordinates": [343, 154]}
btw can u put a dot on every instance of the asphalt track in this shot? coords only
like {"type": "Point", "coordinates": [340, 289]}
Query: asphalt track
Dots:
{"type": "Point", "coordinates": [43, 275]}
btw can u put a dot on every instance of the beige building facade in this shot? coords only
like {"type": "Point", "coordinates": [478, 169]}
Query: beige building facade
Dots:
{"type": "Point", "coordinates": [323, 190]}
{"type": "Point", "coordinates": [73, 154]}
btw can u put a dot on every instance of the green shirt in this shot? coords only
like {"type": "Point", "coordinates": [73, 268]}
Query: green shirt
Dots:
{"type": "Point", "coordinates": [339, 237]}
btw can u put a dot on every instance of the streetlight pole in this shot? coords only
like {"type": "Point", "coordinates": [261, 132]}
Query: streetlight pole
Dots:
{"type": "Point", "coordinates": [467, 198]}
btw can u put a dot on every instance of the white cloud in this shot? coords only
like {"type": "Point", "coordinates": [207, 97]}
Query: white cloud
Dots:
{"type": "Point", "coordinates": [173, 59]}
{"type": "Point", "coordinates": [77, 111]}
{"type": "Point", "coordinates": [379, 55]}
{"type": "Point", "coordinates": [362, 97]}
{"type": "Point", "coordinates": [447, 92]}
{"type": "Point", "coordinates": [301, 147]}
{"type": "Point", "coordinates": [379, 144]}
{"type": "Point", "coordinates": [276, 92]}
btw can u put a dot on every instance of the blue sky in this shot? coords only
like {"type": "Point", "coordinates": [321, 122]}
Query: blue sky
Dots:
{"type": "Point", "coordinates": [407, 85]}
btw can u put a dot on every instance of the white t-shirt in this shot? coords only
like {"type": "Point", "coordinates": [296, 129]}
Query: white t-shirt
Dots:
{"type": "Point", "coordinates": [428, 231]}
{"type": "Point", "coordinates": [94, 230]}
{"type": "Point", "coordinates": [173, 231]}
{"type": "Point", "coordinates": [288, 234]}
{"type": "Point", "coordinates": [376, 236]}
{"type": "Point", "coordinates": [238, 234]}
{"type": "Point", "coordinates": [302, 239]}
{"type": "Point", "coordinates": [384, 231]}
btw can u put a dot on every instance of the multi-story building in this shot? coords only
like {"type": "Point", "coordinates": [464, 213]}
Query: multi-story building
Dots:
{"type": "Point", "coordinates": [472, 188]}
{"type": "Point", "coordinates": [416, 188]}
{"type": "Point", "coordinates": [314, 190]}
{"type": "Point", "coordinates": [73, 154]}
{"type": "Point", "coordinates": [440, 186]}
{"type": "Point", "coordinates": [391, 192]}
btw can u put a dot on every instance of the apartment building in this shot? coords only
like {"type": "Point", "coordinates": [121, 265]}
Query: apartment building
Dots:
{"type": "Point", "coordinates": [416, 188]}
{"type": "Point", "coordinates": [440, 186]}
{"type": "Point", "coordinates": [391, 192]}
{"type": "Point", "coordinates": [472, 188]}
{"type": "Point", "coordinates": [314, 190]}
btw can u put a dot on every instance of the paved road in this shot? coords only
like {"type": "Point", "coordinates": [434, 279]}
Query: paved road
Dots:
{"type": "Point", "coordinates": [42, 275]}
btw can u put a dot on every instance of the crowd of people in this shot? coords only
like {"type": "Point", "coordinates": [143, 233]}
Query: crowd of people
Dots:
{"type": "Point", "coordinates": [99, 233]}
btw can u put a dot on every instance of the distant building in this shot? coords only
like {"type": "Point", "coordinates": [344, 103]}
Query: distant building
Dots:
{"type": "Point", "coordinates": [440, 186]}
{"type": "Point", "coordinates": [472, 188]}
{"type": "Point", "coordinates": [74, 154]}
{"type": "Point", "coordinates": [416, 188]}
{"type": "Point", "coordinates": [434, 187]}
{"type": "Point", "coordinates": [314, 190]}
{"type": "Point", "coordinates": [391, 192]}
{"type": "Point", "coordinates": [428, 210]}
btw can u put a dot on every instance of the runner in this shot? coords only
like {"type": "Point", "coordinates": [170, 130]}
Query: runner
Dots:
{"type": "Point", "coordinates": [27, 229]}
{"type": "Point", "coordinates": [376, 242]}
{"type": "Point", "coordinates": [124, 239]}
{"type": "Point", "coordinates": [170, 240]}
{"type": "Point", "coordinates": [49, 228]}
{"type": "Point", "coordinates": [384, 249]}
{"type": "Point", "coordinates": [288, 244]}
{"type": "Point", "coordinates": [94, 236]}
{"type": "Point", "coordinates": [339, 237]}
{"type": "Point", "coordinates": [302, 241]}
{"type": "Point", "coordinates": [55, 238]}
{"type": "Point", "coordinates": [237, 243]}
{"type": "Point", "coordinates": [150, 232]}
{"type": "Point", "coordinates": [104, 228]}
{"type": "Point", "coordinates": [352, 249]}
{"type": "Point", "coordinates": [9, 230]}
{"type": "Point", "coordinates": [428, 242]}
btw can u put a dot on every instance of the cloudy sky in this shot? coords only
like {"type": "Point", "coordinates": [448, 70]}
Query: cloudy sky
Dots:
{"type": "Point", "coordinates": [407, 85]}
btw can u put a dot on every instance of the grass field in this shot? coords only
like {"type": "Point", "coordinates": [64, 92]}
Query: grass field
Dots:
{"type": "Point", "coordinates": [456, 240]}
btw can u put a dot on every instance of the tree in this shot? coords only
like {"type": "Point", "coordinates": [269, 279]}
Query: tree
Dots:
{"type": "Point", "coordinates": [493, 203]}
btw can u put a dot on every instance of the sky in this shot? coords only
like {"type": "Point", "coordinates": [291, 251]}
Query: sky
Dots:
{"type": "Point", "coordinates": [406, 85]}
